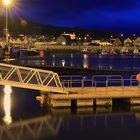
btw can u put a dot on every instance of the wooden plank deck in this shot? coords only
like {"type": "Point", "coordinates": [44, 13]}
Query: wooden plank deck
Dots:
{"type": "Point", "coordinates": [99, 92]}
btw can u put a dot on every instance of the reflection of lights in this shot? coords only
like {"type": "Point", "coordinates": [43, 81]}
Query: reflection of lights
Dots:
{"type": "Point", "coordinates": [53, 63]}
{"type": "Point", "coordinates": [71, 64]}
{"type": "Point", "coordinates": [53, 56]}
{"type": "Point", "coordinates": [42, 62]}
{"type": "Point", "coordinates": [63, 63]}
{"type": "Point", "coordinates": [85, 62]}
{"type": "Point", "coordinates": [85, 56]}
{"type": "Point", "coordinates": [71, 55]}
{"type": "Point", "coordinates": [7, 105]}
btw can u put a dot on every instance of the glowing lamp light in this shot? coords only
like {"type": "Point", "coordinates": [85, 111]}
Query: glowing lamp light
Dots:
{"type": "Point", "coordinates": [6, 2]}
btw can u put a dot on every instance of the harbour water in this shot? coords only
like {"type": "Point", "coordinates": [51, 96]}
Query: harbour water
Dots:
{"type": "Point", "coordinates": [28, 119]}
{"type": "Point", "coordinates": [22, 117]}
{"type": "Point", "coordinates": [128, 62]}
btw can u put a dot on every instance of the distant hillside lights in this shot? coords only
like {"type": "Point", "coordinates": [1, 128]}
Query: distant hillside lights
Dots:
{"type": "Point", "coordinates": [65, 39]}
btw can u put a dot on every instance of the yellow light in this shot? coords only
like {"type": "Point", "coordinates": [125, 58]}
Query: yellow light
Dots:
{"type": "Point", "coordinates": [7, 105]}
{"type": "Point", "coordinates": [85, 61]}
{"type": "Point", "coordinates": [6, 2]}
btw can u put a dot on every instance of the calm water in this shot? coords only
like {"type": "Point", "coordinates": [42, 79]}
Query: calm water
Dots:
{"type": "Point", "coordinates": [23, 118]}
{"type": "Point", "coordinates": [28, 120]}
{"type": "Point", "coordinates": [129, 62]}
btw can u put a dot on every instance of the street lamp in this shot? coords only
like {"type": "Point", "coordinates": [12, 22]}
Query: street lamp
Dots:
{"type": "Point", "coordinates": [6, 3]}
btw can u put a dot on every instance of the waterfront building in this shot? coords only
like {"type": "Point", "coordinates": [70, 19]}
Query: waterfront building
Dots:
{"type": "Point", "coordinates": [18, 41]}
{"type": "Point", "coordinates": [137, 42]}
{"type": "Point", "coordinates": [116, 42]}
{"type": "Point", "coordinates": [128, 42]}
{"type": "Point", "coordinates": [105, 43]}
{"type": "Point", "coordinates": [66, 39]}
{"type": "Point", "coordinates": [97, 41]}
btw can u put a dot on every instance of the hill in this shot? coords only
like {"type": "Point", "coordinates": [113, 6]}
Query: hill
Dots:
{"type": "Point", "coordinates": [17, 26]}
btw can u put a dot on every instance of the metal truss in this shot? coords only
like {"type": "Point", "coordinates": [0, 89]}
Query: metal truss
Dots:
{"type": "Point", "coordinates": [30, 78]}
{"type": "Point", "coordinates": [36, 128]}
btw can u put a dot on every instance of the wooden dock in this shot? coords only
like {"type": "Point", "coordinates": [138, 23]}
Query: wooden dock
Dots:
{"type": "Point", "coordinates": [93, 96]}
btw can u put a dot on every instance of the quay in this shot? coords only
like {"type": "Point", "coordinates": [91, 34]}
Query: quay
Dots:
{"type": "Point", "coordinates": [72, 91]}
{"type": "Point", "coordinates": [107, 92]}
{"type": "Point", "coordinates": [80, 97]}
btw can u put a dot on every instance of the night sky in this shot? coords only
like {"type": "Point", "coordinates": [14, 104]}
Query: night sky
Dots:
{"type": "Point", "coordinates": [121, 16]}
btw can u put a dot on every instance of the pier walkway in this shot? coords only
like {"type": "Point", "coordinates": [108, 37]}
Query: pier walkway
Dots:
{"type": "Point", "coordinates": [97, 90]}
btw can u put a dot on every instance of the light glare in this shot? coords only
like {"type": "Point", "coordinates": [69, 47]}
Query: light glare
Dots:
{"type": "Point", "coordinates": [7, 2]}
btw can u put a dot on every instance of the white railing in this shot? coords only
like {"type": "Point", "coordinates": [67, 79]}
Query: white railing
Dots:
{"type": "Point", "coordinates": [31, 78]}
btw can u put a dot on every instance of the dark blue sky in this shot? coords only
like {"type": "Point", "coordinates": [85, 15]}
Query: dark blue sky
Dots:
{"type": "Point", "coordinates": [109, 15]}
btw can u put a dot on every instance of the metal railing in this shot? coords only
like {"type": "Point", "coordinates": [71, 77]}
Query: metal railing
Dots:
{"type": "Point", "coordinates": [31, 78]}
{"type": "Point", "coordinates": [97, 81]}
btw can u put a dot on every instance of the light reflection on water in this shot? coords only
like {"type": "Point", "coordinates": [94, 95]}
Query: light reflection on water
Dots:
{"type": "Point", "coordinates": [84, 60]}
{"type": "Point", "coordinates": [62, 123]}
{"type": "Point", "coordinates": [84, 123]}
{"type": "Point", "coordinates": [7, 105]}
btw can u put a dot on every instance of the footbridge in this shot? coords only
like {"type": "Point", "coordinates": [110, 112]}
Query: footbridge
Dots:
{"type": "Point", "coordinates": [30, 78]}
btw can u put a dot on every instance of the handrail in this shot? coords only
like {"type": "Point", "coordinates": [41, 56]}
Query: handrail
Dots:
{"type": "Point", "coordinates": [108, 82]}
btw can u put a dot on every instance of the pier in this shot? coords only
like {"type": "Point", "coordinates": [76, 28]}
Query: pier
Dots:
{"type": "Point", "coordinates": [72, 91]}
{"type": "Point", "coordinates": [99, 90]}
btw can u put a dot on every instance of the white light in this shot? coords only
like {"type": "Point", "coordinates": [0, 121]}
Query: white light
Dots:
{"type": "Point", "coordinates": [7, 105]}
{"type": "Point", "coordinates": [63, 43]}
{"type": "Point", "coordinates": [7, 2]}
{"type": "Point", "coordinates": [63, 63]}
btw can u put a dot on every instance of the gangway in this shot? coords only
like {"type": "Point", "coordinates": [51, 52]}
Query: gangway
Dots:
{"type": "Point", "coordinates": [30, 78]}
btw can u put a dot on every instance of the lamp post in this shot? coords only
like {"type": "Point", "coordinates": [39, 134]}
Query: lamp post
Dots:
{"type": "Point", "coordinates": [6, 3]}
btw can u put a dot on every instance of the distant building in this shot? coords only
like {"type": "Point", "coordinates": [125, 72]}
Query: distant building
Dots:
{"type": "Point", "coordinates": [116, 42]}
{"type": "Point", "coordinates": [105, 43]}
{"type": "Point", "coordinates": [72, 36]}
{"type": "Point", "coordinates": [18, 41]}
{"type": "Point", "coordinates": [128, 42]}
{"type": "Point", "coordinates": [66, 39]}
{"type": "Point", "coordinates": [96, 41]}
{"type": "Point", "coordinates": [137, 42]}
